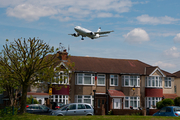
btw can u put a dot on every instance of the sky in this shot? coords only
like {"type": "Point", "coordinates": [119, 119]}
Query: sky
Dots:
{"type": "Point", "coordinates": [145, 30]}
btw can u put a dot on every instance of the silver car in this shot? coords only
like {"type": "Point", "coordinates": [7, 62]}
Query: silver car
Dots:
{"type": "Point", "coordinates": [73, 109]}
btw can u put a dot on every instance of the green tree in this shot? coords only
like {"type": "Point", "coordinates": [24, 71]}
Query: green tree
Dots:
{"type": "Point", "coordinates": [165, 102]}
{"type": "Point", "coordinates": [177, 101]}
{"type": "Point", "coordinates": [25, 63]}
{"type": "Point", "coordinates": [29, 100]}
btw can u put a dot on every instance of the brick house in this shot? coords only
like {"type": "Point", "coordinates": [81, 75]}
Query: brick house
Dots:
{"type": "Point", "coordinates": [111, 84]}
{"type": "Point", "coordinates": [177, 83]}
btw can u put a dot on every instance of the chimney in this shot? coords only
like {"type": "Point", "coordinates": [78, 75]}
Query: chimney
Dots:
{"type": "Point", "coordinates": [62, 55]}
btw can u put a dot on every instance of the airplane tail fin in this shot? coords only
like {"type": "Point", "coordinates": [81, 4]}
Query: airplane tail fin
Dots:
{"type": "Point", "coordinates": [99, 29]}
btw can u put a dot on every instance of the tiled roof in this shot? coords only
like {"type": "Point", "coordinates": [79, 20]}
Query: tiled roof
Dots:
{"type": "Point", "coordinates": [177, 74]}
{"type": "Point", "coordinates": [171, 96]}
{"type": "Point", "coordinates": [33, 93]}
{"type": "Point", "coordinates": [116, 66]}
{"type": "Point", "coordinates": [115, 93]}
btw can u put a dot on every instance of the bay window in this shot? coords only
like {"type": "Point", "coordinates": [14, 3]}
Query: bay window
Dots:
{"type": "Point", "coordinates": [151, 102]}
{"type": "Point", "coordinates": [84, 99]}
{"type": "Point", "coordinates": [153, 81]}
{"type": "Point", "coordinates": [61, 78]}
{"type": "Point", "coordinates": [84, 79]}
{"type": "Point", "coordinates": [132, 102]}
{"type": "Point", "coordinates": [130, 81]}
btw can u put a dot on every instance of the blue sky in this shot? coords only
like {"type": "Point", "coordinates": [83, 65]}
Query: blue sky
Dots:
{"type": "Point", "coordinates": [148, 31]}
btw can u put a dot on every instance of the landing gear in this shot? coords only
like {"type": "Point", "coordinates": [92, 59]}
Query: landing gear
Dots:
{"type": "Point", "coordinates": [82, 38]}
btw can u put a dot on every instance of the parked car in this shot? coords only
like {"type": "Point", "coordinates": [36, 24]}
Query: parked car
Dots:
{"type": "Point", "coordinates": [74, 109]}
{"type": "Point", "coordinates": [168, 111]}
{"type": "Point", "coordinates": [38, 109]}
{"type": "Point", "coordinates": [57, 105]}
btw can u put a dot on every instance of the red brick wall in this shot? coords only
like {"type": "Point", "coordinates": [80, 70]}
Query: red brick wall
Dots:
{"type": "Point", "coordinates": [126, 112]}
{"type": "Point", "coordinates": [153, 92]}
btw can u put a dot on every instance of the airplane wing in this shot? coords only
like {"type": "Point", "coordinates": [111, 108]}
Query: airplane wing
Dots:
{"type": "Point", "coordinates": [105, 32]}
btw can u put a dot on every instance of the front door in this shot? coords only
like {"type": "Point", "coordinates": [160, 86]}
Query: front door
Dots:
{"type": "Point", "coordinates": [117, 103]}
{"type": "Point", "coordinates": [100, 106]}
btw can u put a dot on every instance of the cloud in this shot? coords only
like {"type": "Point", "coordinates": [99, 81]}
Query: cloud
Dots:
{"type": "Point", "coordinates": [65, 10]}
{"type": "Point", "coordinates": [177, 38]}
{"type": "Point", "coordinates": [172, 52]}
{"type": "Point", "coordinates": [146, 19]}
{"type": "Point", "coordinates": [137, 35]}
{"type": "Point", "coordinates": [164, 65]}
{"type": "Point", "coordinates": [30, 12]}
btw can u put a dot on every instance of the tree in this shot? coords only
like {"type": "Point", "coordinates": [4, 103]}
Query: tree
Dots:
{"type": "Point", "coordinates": [27, 62]}
{"type": "Point", "coordinates": [165, 102]}
{"type": "Point", "coordinates": [177, 101]}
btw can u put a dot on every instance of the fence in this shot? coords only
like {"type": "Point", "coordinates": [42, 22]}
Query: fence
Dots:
{"type": "Point", "coordinates": [8, 110]}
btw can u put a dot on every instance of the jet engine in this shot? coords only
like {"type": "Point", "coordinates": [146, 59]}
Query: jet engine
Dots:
{"type": "Point", "coordinates": [75, 34]}
{"type": "Point", "coordinates": [92, 33]}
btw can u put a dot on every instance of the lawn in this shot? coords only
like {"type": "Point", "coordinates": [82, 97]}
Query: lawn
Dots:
{"type": "Point", "coordinates": [106, 117]}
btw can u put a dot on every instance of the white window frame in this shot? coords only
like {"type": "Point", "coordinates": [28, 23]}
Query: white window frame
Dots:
{"type": "Point", "coordinates": [100, 76]}
{"type": "Point", "coordinates": [169, 82]}
{"type": "Point", "coordinates": [132, 99]}
{"type": "Point", "coordinates": [64, 81]}
{"type": "Point", "coordinates": [154, 81]}
{"type": "Point", "coordinates": [113, 78]}
{"type": "Point", "coordinates": [150, 102]}
{"type": "Point", "coordinates": [60, 98]}
{"type": "Point", "coordinates": [81, 98]}
{"type": "Point", "coordinates": [78, 75]}
{"type": "Point", "coordinates": [128, 78]}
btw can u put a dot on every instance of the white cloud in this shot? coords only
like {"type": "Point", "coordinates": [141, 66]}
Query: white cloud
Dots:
{"type": "Point", "coordinates": [146, 19]}
{"type": "Point", "coordinates": [177, 38]}
{"type": "Point", "coordinates": [172, 52]}
{"type": "Point", "coordinates": [137, 35]}
{"type": "Point", "coordinates": [30, 12]}
{"type": "Point", "coordinates": [65, 9]}
{"type": "Point", "coordinates": [164, 65]}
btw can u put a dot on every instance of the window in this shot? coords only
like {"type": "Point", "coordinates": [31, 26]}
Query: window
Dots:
{"type": "Point", "coordinates": [167, 82]}
{"type": "Point", "coordinates": [114, 80]}
{"type": "Point", "coordinates": [60, 98]}
{"type": "Point", "coordinates": [153, 81]}
{"type": "Point", "coordinates": [133, 102]}
{"type": "Point", "coordinates": [72, 107]}
{"type": "Point", "coordinates": [81, 106]}
{"type": "Point", "coordinates": [151, 102]}
{"type": "Point", "coordinates": [84, 99]}
{"type": "Point", "coordinates": [175, 89]}
{"type": "Point", "coordinates": [84, 79]}
{"type": "Point", "coordinates": [88, 107]}
{"type": "Point", "coordinates": [61, 78]}
{"type": "Point", "coordinates": [131, 81]}
{"type": "Point", "coordinates": [101, 79]}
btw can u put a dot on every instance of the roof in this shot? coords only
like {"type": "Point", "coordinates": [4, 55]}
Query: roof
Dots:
{"type": "Point", "coordinates": [171, 96]}
{"type": "Point", "coordinates": [177, 74]}
{"type": "Point", "coordinates": [116, 93]}
{"type": "Point", "coordinates": [33, 93]}
{"type": "Point", "coordinates": [114, 66]}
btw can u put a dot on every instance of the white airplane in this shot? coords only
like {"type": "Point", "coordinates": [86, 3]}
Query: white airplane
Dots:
{"type": "Point", "coordinates": [87, 33]}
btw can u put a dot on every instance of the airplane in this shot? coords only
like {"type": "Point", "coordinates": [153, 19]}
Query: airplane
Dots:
{"type": "Point", "coordinates": [87, 33]}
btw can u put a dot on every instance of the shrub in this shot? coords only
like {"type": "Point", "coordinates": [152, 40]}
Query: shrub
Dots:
{"type": "Point", "coordinates": [165, 102]}
{"type": "Point", "coordinates": [29, 100]}
{"type": "Point", "coordinates": [177, 101]}
{"type": "Point", "coordinates": [159, 105]}
{"type": "Point", "coordinates": [168, 102]}
{"type": "Point", "coordinates": [110, 112]}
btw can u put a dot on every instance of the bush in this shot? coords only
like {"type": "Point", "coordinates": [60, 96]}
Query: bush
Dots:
{"type": "Point", "coordinates": [177, 101]}
{"type": "Point", "coordinates": [165, 102]}
{"type": "Point", "coordinates": [159, 105]}
{"type": "Point", "coordinates": [29, 100]}
{"type": "Point", "coordinates": [110, 112]}
{"type": "Point", "coordinates": [8, 111]}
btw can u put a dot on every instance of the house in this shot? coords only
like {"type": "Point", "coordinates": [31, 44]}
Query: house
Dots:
{"type": "Point", "coordinates": [110, 84]}
{"type": "Point", "coordinates": [177, 83]}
